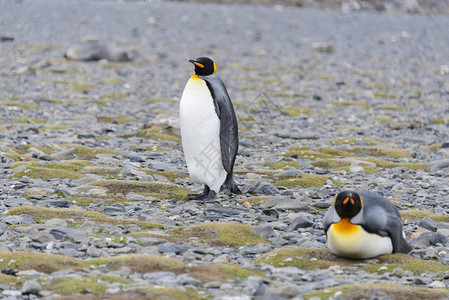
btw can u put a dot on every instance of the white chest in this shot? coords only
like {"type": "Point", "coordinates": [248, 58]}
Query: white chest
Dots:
{"type": "Point", "coordinates": [200, 133]}
{"type": "Point", "coordinates": [355, 242]}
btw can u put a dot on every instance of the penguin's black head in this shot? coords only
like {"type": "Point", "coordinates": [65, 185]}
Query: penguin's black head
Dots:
{"type": "Point", "coordinates": [204, 66]}
{"type": "Point", "coordinates": [348, 204]}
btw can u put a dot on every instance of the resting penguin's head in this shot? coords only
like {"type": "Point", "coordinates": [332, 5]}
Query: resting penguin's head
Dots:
{"type": "Point", "coordinates": [348, 204]}
{"type": "Point", "coordinates": [204, 66]}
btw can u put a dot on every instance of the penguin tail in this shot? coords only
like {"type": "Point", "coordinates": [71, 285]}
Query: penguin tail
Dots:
{"type": "Point", "coordinates": [230, 185]}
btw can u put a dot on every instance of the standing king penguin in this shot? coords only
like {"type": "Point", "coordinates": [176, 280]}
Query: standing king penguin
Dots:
{"type": "Point", "coordinates": [209, 131]}
{"type": "Point", "coordinates": [364, 224]}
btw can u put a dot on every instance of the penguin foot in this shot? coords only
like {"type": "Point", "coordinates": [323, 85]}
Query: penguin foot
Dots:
{"type": "Point", "coordinates": [200, 196]}
{"type": "Point", "coordinates": [210, 197]}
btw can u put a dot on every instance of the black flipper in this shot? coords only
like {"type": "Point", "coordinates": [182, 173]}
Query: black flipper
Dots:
{"type": "Point", "coordinates": [229, 142]}
{"type": "Point", "coordinates": [395, 232]}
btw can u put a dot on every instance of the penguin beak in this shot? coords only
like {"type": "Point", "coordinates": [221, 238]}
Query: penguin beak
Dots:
{"type": "Point", "coordinates": [196, 63]}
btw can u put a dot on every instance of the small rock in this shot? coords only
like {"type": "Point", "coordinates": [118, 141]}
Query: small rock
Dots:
{"type": "Point", "coordinates": [265, 231]}
{"type": "Point", "coordinates": [170, 247]}
{"type": "Point", "coordinates": [254, 286]}
{"type": "Point", "coordinates": [356, 169]}
{"type": "Point", "coordinates": [299, 222]}
{"type": "Point", "coordinates": [438, 164]}
{"type": "Point", "coordinates": [264, 188]}
{"type": "Point", "coordinates": [438, 238]}
{"type": "Point", "coordinates": [327, 48]}
{"type": "Point", "coordinates": [399, 272]}
{"type": "Point", "coordinates": [282, 203]}
{"type": "Point", "coordinates": [437, 285]}
{"type": "Point", "coordinates": [185, 279]}
{"type": "Point", "coordinates": [429, 224]}
{"type": "Point", "coordinates": [31, 287]}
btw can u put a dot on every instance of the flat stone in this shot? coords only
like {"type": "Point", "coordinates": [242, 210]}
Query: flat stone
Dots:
{"type": "Point", "coordinates": [151, 241]}
{"type": "Point", "coordinates": [265, 231]}
{"type": "Point", "coordinates": [86, 180]}
{"type": "Point", "coordinates": [438, 238]}
{"type": "Point", "coordinates": [283, 203]}
{"type": "Point", "coordinates": [185, 279]}
{"type": "Point", "coordinates": [170, 247]}
{"type": "Point", "coordinates": [264, 188]}
{"type": "Point", "coordinates": [299, 222]}
{"type": "Point", "coordinates": [55, 223]}
{"type": "Point", "coordinates": [58, 203]}
{"type": "Point", "coordinates": [438, 164]}
{"type": "Point", "coordinates": [254, 286]}
{"type": "Point", "coordinates": [428, 223]}
{"type": "Point", "coordinates": [437, 285]}
{"type": "Point", "coordinates": [68, 234]}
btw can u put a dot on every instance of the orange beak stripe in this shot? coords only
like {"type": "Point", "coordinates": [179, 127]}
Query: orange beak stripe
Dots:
{"type": "Point", "coordinates": [346, 200]}
{"type": "Point", "coordinates": [198, 64]}
{"type": "Point", "coordinates": [352, 201]}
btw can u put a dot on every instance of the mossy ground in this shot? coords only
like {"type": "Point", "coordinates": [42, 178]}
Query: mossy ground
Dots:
{"type": "Point", "coordinates": [48, 173]}
{"type": "Point", "coordinates": [41, 214]}
{"type": "Point", "coordinates": [115, 119]}
{"type": "Point", "coordinates": [219, 233]}
{"type": "Point", "coordinates": [48, 263]}
{"type": "Point", "coordinates": [306, 181]}
{"type": "Point", "coordinates": [386, 289]}
{"type": "Point", "coordinates": [157, 133]}
{"type": "Point", "coordinates": [310, 259]}
{"type": "Point", "coordinates": [160, 190]}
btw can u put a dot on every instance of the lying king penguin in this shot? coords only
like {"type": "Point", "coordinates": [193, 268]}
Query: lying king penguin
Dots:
{"type": "Point", "coordinates": [363, 224]}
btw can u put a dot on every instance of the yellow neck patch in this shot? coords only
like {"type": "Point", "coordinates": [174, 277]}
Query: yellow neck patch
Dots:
{"type": "Point", "coordinates": [345, 227]}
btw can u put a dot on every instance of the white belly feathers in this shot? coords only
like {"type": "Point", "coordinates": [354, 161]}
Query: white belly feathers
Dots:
{"type": "Point", "coordinates": [347, 240]}
{"type": "Point", "coordinates": [200, 133]}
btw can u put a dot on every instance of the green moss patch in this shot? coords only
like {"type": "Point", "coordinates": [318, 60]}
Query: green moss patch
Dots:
{"type": "Point", "coordinates": [173, 293]}
{"type": "Point", "coordinates": [161, 190]}
{"type": "Point", "coordinates": [48, 173]}
{"type": "Point", "coordinates": [295, 111]}
{"type": "Point", "coordinates": [115, 119]}
{"type": "Point", "coordinates": [170, 175]}
{"type": "Point", "coordinates": [21, 105]}
{"type": "Point", "coordinates": [85, 152]}
{"type": "Point", "coordinates": [42, 214]}
{"type": "Point", "coordinates": [413, 215]}
{"type": "Point", "coordinates": [283, 163]}
{"type": "Point", "coordinates": [70, 286]}
{"type": "Point", "coordinates": [310, 259]}
{"type": "Point", "coordinates": [219, 233]}
{"type": "Point", "coordinates": [108, 172]}
{"type": "Point", "coordinates": [380, 290]}
{"type": "Point", "coordinates": [304, 152]}
{"type": "Point", "coordinates": [352, 103]}
{"type": "Point", "coordinates": [306, 181]}
{"type": "Point", "coordinates": [385, 164]}
{"type": "Point", "coordinates": [389, 107]}
{"type": "Point", "coordinates": [29, 120]}
{"type": "Point", "coordinates": [438, 121]}
{"type": "Point", "coordinates": [156, 133]}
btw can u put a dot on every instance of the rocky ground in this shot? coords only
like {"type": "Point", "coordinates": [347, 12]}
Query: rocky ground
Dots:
{"type": "Point", "coordinates": [94, 181]}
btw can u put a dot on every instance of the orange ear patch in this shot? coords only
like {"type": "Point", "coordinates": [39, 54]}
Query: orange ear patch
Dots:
{"type": "Point", "coordinates": [198, 64]}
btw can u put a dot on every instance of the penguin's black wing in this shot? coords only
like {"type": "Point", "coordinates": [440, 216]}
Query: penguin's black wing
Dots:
{"type": "Point", "coordinates": [331, 217]}
{"type": "Point", "coordinates": [229, 142]}
{"type": "Point", "coordinates": [381, 217]}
